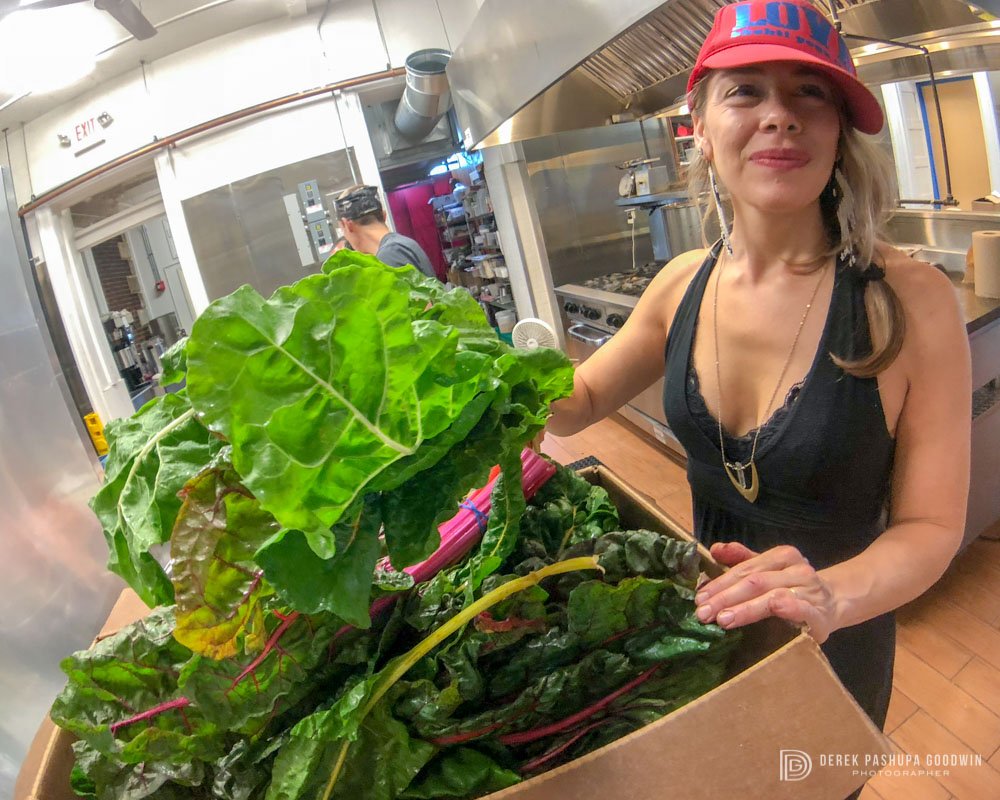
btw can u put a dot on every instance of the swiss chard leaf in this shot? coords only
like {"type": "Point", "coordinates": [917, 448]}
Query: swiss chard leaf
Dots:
{"type": "Point", "coordinates": [220, 591]}
{"type": "Point", "coordinates": [341, 583]}
{"type": "Point", "coordinates": [412, 510]}
{"type": "Point", "coordinates": [656, 698]}
{"type": "Point", "coordinates": [152, 455]}
{"type": "Point", "coordinates": [174, 362]}
{"type": "Point", "coordinates": [245, 771]}
{"type": "Point", "coordinates": [304, 764]}
{"type": "Point", "coordinates": [428, 298]}
{"type": "Point", "coordinates": [647, 554]}
{"type": "Point", "coordinates": [123, 698]}
{"type": "Point", "coordinates": [245, 694]}
{"type": "Point", "coordinates": [98, 776]}
{"type": "Point", "coordinates": [459, 773]}
{"type": "Point", "coordinates": [567, 510]}
{"type": "Point", "coordinates": [384, 759]}
{"type": "Point", "coordinates": [517, 411]}
{"type": "Point", "coordinates": [326, 385]}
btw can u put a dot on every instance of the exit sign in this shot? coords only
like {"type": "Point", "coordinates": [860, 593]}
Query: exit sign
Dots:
{"type": "Point", "coordinates": [85, 130]}
{"type": "Point", "coordinates": [87, 133]}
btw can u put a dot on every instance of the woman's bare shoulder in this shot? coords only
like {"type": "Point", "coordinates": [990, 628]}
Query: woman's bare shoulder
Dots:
{"type": "Point", "coordinates": [918, 284]}
{"type": "Point", "coordinates": [928, 297]}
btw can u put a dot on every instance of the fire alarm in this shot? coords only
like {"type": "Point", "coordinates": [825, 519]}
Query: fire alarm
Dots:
{"type": "Point", "coordinates": [161, 286]}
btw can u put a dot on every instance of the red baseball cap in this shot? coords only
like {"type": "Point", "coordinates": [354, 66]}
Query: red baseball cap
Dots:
{"type": "Point", "coordinates": [756, 31]}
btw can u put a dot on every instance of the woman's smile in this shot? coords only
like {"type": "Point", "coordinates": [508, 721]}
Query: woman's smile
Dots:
{"type": "Point", "coordinates": [783, 159]}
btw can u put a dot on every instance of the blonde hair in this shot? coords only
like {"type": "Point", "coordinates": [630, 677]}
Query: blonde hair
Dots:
{"type": "Point", "coordinates": [871, 176]}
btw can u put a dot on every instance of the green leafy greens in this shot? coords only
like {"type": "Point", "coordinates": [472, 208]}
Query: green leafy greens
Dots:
{"type": "Point", "coordinates": [321, 438]}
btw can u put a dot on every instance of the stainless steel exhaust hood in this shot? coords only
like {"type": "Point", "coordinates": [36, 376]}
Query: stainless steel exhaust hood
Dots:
{"type": "Point", "coordinates": [528, 68]}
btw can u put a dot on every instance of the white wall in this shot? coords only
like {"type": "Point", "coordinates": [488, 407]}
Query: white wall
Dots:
{"type": "Point", "coordinates": [235, 71]}
{"type": "Point", "coordinates": [261, 143]}
{"type": "Point", "coordinates": [238, 70]}
{"type": "Point", "coordinates": [124, 98]}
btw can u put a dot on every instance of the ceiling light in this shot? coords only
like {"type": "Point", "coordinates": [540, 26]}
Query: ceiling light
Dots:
{"type": "Point", "coordinates": [43, 50]}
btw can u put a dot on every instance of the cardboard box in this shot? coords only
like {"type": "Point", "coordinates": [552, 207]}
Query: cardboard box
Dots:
{"type": "Point", "coordinates": [769, 732]}
{"type": "Point", "coordinates": [775, 729]}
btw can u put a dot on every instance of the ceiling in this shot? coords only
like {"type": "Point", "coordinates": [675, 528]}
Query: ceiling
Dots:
{"type": "Point", "coordinates": [180, 24]}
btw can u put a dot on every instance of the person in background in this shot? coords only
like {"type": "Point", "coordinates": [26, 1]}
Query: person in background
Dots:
{"type": "Point", "coordinates": [362, 222]}
{"type": "Point", "coordinates": [818, 379]}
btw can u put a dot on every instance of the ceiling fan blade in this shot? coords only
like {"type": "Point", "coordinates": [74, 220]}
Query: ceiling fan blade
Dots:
{"type": "Point", "coordinates": [128, 16]}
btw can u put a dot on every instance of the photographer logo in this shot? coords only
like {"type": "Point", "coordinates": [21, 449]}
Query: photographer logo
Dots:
{"type": "Point", "coordinates": [794, 765]}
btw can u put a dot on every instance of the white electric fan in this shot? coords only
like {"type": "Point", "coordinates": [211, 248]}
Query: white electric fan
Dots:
{"type": "Point", "coordinates": [532, 333]}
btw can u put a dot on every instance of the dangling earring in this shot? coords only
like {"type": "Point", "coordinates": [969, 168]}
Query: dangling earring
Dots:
{"type": "Point", "coordinates": [846, 217]}
{"type": "Point", "coordinates": [723, 225]}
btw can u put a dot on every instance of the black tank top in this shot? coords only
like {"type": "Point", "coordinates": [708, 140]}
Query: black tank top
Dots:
{"type": "Point", "coordinates": [824, 461]}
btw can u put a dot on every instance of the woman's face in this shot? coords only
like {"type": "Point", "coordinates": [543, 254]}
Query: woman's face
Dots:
{"type": "Point", "coordinates": [771, 133]}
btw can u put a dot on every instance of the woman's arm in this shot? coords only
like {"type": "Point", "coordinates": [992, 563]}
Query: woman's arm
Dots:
{"type": "Point", "coordinates": [633, 359]}
{"type": "Point", "coordinates": [929, 491]}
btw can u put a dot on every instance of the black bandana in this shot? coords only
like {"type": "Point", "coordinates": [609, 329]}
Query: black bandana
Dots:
{"type": "Point", "coordinates": [359, 203]}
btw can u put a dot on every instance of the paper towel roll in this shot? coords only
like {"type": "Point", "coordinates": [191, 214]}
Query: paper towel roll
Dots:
{"type": "Point", "coordinates": [986, 254]}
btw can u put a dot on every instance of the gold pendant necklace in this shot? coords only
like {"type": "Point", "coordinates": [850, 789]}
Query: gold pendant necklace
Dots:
{"type": "Point", "coordinates": [744, 476]}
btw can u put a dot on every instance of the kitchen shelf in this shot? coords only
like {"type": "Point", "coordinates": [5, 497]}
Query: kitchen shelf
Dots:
{"type": "Point", "coordinates": [684, 138]}
{"type": "Point", "coordinates": [653, 199]}
{"type": "Point", "coordinates": [503, 305]}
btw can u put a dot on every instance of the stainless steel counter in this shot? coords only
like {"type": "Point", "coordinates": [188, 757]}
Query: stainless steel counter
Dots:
{"type": "Point", "coordinates": [979, 311]}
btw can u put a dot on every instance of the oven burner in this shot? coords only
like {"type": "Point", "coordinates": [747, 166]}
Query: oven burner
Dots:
{"type": "Point", "coordinates": [631, 283]}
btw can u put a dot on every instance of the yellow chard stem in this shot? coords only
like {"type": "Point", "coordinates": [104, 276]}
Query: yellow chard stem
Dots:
{"type": "Point", "coordinates": [456, 623]}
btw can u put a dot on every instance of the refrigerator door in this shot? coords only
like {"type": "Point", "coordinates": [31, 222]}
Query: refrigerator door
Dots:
{"type": "Point", "coordinates": [55, 588]}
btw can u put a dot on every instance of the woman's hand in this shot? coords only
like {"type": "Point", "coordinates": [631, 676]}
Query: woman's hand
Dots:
{"type": "Point", "coordinates": [777, 583]}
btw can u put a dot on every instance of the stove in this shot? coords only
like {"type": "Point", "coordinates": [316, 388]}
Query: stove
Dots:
{"type": "Point", "coordinates": [631, 282]}
{"type": "Point", "coordinates": [596, 308]}
{"type": "Point", "coordinates": [591, 315]}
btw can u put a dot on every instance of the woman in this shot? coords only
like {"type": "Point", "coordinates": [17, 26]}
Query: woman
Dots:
{"type": "Point", "coordinates": [818, 379]}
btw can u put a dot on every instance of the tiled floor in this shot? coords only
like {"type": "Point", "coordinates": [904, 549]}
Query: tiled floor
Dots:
{"type": "Point", "coordinates": [946, 695]}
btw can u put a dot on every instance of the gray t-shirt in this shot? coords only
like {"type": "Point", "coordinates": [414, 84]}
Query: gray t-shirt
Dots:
{"type": "Point", "coordinates": [397, 250]}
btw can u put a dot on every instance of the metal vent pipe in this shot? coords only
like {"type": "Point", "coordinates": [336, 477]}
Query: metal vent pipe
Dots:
{"type": "Point", "coordinates": [428, 95]}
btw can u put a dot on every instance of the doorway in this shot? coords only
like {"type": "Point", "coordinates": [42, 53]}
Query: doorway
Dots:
{"type": "Point", "coordinates": [132, 269]}
{"type": "Point", "coordinates": [142, 301]}
{"type": "Point", "coordinates": [963, 126]}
